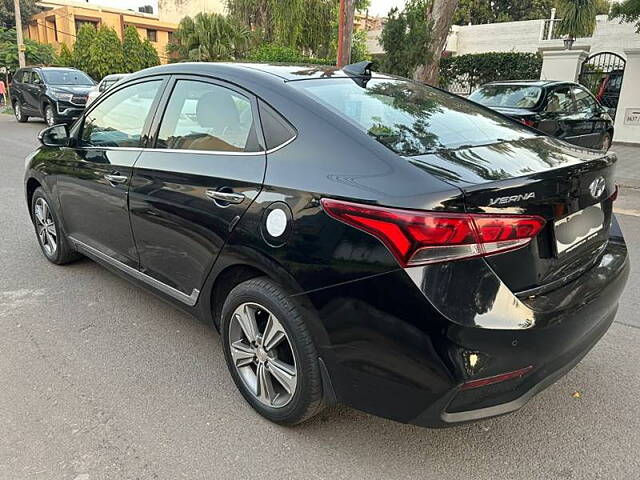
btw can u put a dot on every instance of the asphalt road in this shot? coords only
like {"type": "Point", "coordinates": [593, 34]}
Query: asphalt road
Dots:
{"type": "Point", "coordinates": [100, 380]}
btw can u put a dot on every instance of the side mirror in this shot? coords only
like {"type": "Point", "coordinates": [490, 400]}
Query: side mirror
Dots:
{"type": "Point", "coordinates": [56, 136]}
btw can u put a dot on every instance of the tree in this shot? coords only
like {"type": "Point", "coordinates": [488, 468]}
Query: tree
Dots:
{"type": "Point", "coordinates": [150, 57]}
{"type": "Point", "coordinates": [35, 53]}
{"type": "Point", "coordinates": [627, 11]}
{"type": "Point", "coordinates": [132, 49]}
{"type": "Point", "coordinates": [414, 38]}
{"type": "Point", "coordinates": [578, 18]}
{"type": "Point", "coordinates": [28, 8]}
{"type": "Point", "coordinates": [65, 58]}
{"type": "Point", "coordinates": [210, 37]}
{"type": "Point", "coordinates": [81, 57]}
{"type": "Point", "coordinates": [105, 54]}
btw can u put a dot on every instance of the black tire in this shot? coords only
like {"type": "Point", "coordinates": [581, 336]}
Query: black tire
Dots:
{"type": "Point", "coordinates": [19, 113]}
{"type": "Point", "coordinates": [307, 399]}
{"type": "Point", "coordinates": [63, 252]}
{"type": "Point", "coordinates": [50, 115]}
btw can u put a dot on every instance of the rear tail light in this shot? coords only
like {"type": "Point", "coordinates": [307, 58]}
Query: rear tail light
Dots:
{"type": "Point", "coordinates": [527, 122]}
{"type": "Point", "coordinates": [419, 237]}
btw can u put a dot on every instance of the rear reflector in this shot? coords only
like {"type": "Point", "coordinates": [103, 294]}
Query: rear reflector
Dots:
{"type": "Point", "coordinates": [483, 382]}
{"type": "Point", "coordinates": [418, 237]}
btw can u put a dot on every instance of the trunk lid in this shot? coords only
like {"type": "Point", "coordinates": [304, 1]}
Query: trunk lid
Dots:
{"type": "Point", "coordinates": [540, 176]}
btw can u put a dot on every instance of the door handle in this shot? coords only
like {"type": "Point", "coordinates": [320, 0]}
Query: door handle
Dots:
{"type": "Point", "coordinates": [115, 178]}
{"type": "Point", "coordinates": [228, 197]}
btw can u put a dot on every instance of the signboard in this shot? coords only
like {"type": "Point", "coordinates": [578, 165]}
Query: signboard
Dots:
{"type": "Point", "coordinates": [632, 117]}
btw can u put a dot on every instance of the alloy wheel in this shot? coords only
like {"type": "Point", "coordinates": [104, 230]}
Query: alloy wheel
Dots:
{"type": "Point", "coordinates": [18, 110]}
{"type": "Point", "coordinates": [46, 227]}
{"type": "Point", "coordinates": [262, 355]}
{"type": "Point", "coordinates": [606, 143]}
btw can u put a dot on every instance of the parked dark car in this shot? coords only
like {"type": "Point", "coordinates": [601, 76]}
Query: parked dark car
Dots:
{"type": "Point", "coordinates": [355, 237]}
{"type": "Point", "coordinates": [58, 95]}
{"type": "Point", "coordinates": [565, 110]}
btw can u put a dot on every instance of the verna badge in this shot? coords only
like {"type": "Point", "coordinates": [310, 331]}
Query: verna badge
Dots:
{"type": "Point", "coordinates": [597, 186]}
{"type": "Point", "coordinates": [511, 199]}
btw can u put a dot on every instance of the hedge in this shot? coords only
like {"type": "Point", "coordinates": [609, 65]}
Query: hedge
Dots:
{"type": "Point", "coordinates": [477, 68]}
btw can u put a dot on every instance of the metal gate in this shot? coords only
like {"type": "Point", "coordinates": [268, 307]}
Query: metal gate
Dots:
{"type": "Point", "coordinates": [602, 73]}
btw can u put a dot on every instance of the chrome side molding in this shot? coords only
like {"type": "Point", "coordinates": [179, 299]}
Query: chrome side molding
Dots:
{"type": "Point", "coordinates": [189, 300]}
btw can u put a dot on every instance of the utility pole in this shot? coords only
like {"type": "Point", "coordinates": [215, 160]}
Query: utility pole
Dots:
{"type": "Point", "coordinates": [345, 31]}
{"type": "Point", "coordinates": [21, 60]}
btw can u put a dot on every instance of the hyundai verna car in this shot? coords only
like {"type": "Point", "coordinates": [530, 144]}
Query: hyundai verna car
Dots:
{"type": "Point", "coordinates": [355, 237]}
{"type": "Point", "coordinates": [57, 95]}
{"type": "Point", "coordinates": [565, 110]}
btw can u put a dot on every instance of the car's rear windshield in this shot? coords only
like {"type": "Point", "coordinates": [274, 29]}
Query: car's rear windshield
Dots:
{"type": "Point", "coordinates": [66, 77]}
{"type": "Point", "coordinates": [509, 96]}
{"type": "Point", "coordinates": [410, 118]}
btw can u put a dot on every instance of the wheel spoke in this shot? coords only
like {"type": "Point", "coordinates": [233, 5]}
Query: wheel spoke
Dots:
{"type": "Point", "coordinates": [39, 215]}
{"type": "Point", "coordinates": [45, 212]}
{"type": "Point", "coordinates": [42, 233]}
{"type": "Point", "coordinates": [273, 333]}
{"type": "Point", "coordinates": [285, 374]}
{"type": "Point", "coordinates": [51, 241]}
{"type": "Point", "coordinates": [264, 386]}
{"type": "Point", "coordinates": [51, 230]}
{"type": "Point", "coordinates": [242, 354]}
{"type": "Point", "coordinates": [247, 321]}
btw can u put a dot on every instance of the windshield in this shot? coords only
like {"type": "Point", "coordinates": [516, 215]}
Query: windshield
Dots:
{"type": "Point", "coordinates": [66, 77]}
{"type": "Point", "coordinates": [513, 96]}
{"type": "Point", "coordinates": [410, 118]}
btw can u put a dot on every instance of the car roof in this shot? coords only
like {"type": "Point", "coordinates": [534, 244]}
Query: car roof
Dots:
{"type": "Point", "coordinates": [532, 83]}
{"type": "Point", "coordinates": [36, 67]}
{"type": "Point", "coordinates": [253, 71]}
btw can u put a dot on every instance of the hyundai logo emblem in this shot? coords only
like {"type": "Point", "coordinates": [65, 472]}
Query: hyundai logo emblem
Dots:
{"type": "Point", "coordinates": [597, 186]}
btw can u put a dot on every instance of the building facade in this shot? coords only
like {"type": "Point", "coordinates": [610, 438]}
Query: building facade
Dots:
{"type": "Point", "coordinates": [60, 21]}
{"type": "Point", "coordinates": [175, 10]}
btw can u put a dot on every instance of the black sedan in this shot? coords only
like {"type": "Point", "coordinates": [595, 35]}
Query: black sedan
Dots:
{"type": "Point", "coordinates": [565, 110]}
{"type": "Point", "coordinates": [354, 237]}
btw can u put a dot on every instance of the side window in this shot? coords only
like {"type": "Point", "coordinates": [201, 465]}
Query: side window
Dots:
{"type": "Point", "coordinates": [560, 101]}
{"type": "Point", "coordinates": [119, 120]}
{"type": "Point", "coordinates": [204, 116]}
{"type": "Point", "coordinates": [276, 129]}
{"type": "Point", "coordinates": [584, 101]}
{"type": "Point", "coordinates": [18, 77]}
{"type": "Point", "coordinates": [26, 77]}
{"type": "Point", "coordinates": [35, 78]}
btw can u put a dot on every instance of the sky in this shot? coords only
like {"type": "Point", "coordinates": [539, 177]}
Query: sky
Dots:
{"type": "Point", "coordinates": [380, 8]}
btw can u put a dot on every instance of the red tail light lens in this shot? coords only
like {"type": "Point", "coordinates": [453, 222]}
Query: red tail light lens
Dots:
{"type": "Point", "coordinates": [418, 237]}
{"type": "Point", "coordinates": [527, 122]}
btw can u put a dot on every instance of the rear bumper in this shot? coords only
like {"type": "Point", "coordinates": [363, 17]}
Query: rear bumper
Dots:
{"type": "Point", "coordinates": [396, 351]}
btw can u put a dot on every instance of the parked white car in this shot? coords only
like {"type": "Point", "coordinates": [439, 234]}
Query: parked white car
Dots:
{"type": "Point", "coordinates": [106, 83]}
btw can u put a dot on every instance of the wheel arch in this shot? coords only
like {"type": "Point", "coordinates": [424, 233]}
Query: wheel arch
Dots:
{"type": "Point", "coordinates": [30, 187]}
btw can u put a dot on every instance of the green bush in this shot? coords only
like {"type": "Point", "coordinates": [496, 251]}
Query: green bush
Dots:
{"type": "Point", "coordinates": [479, 68]}
{"type": "Point", "coordinates": [269, 53]}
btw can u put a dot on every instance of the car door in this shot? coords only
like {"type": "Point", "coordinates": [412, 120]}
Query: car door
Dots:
{"type": "Point", "coordinates": [189, 191]}
{"type": "Point", "coordinates": [27, 93]}
{"type": "Point", "coordinates": [96, 171]}
{"type": "Point", "coordinates": [559, 114]}
{"type": "Point", "coordinates": [590, 125]}
{"type": "Point", "coordinates": [35, 88]}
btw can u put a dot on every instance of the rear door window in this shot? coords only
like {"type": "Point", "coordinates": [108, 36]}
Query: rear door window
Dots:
{"type": "Point", "coordinates": [209, 117]}
{"type": "Point", "coordinates": [560, 100]}
{"type": "Point", "coordinates": [585, 103]}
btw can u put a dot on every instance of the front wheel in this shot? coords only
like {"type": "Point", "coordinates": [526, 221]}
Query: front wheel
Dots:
{"type": "Point", "coordinates": [53, 242]}
{"type": "Point", "coordinates": [270, 352]}
{"type": "Point", "coordinates": [19, 113]}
